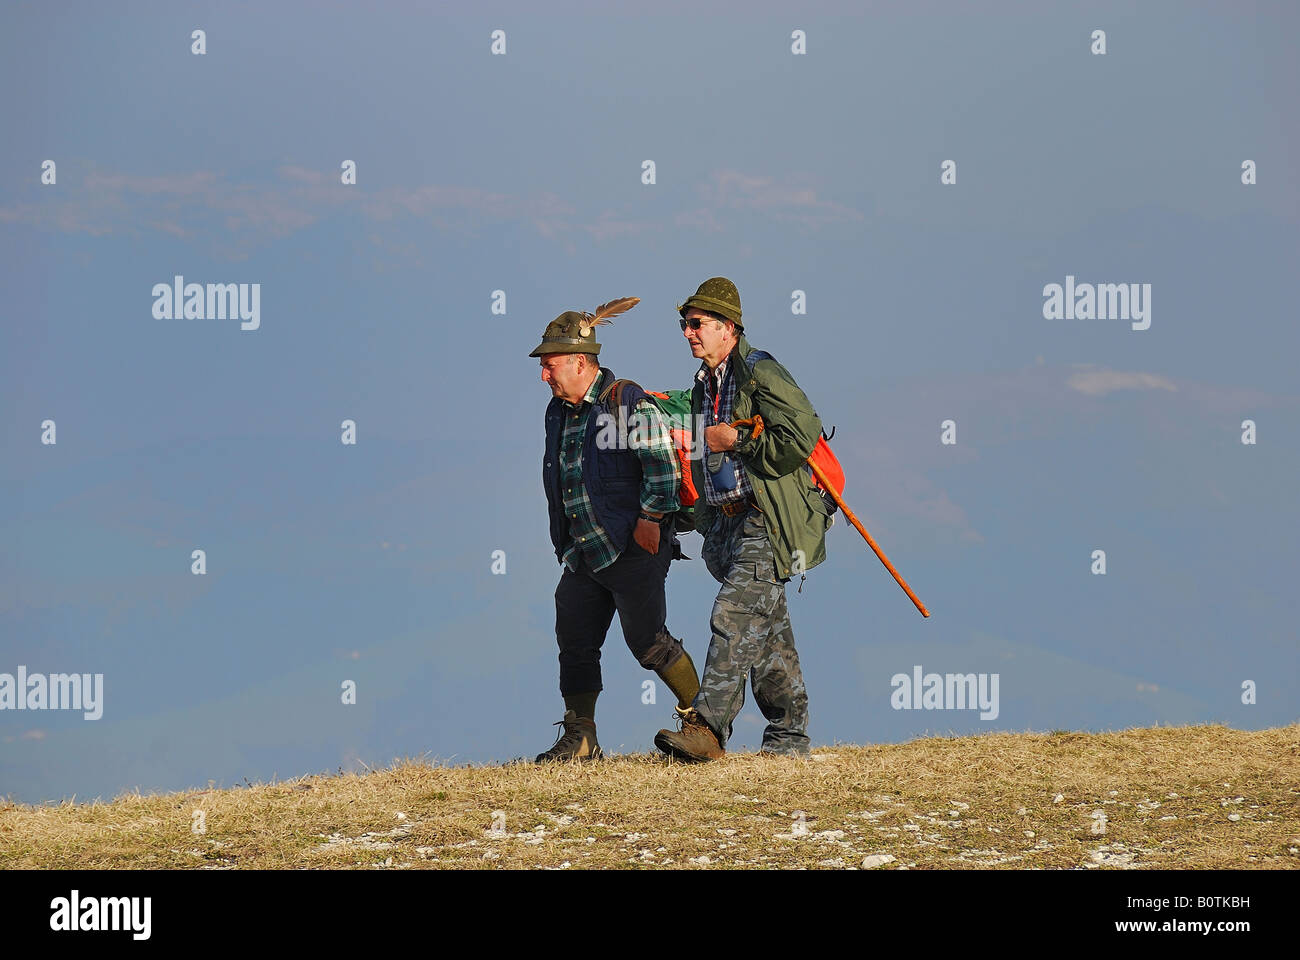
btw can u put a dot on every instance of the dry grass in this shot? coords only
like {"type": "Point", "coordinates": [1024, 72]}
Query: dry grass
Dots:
{"type": "Point", "coordinates": [1169, 796]}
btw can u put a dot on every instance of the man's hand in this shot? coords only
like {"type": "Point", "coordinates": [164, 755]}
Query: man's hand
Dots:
{"type": "Point", "coordinates": [646, 534]}
{"type": "Point", "coordinates": [721, 437]}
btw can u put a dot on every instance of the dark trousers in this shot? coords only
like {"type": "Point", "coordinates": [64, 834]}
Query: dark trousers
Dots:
{"type": "Point", "coordinates": [585, 601]}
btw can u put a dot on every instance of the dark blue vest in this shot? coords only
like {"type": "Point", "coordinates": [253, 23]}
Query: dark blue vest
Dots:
{"type": "Point", "coordinates": [612, 477]}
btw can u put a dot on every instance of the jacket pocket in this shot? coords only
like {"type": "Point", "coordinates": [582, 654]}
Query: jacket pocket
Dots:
{"type": "Point", "coordinates": [819, 508]}
{"type": "Point", "coordinates": [618, 465]}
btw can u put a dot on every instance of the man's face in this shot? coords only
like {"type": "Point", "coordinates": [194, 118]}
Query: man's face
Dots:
{"type": "Point", "coordinates": [568, 376]}
{"type": "Point", "coordinates": [711, 343]}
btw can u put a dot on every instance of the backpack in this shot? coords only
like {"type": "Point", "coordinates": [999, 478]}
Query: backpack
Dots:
{"type": "Point", "coordinates": [675, 407]}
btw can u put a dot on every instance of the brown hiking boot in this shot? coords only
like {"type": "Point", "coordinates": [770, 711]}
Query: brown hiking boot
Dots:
{"type": "Point", "coordinates": [577, 742]}
{"type": "Point", "coordinates": [695, 741]}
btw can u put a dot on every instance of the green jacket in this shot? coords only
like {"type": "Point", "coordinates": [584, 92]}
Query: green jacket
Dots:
{"type": "Point", "coordinates": [797, 515]}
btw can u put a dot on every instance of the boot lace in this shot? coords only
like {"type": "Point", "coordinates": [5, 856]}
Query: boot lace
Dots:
{"type": "Point", "coordinates": [570, 736]}
{"type": "Point", "coordinates": [686, 718]}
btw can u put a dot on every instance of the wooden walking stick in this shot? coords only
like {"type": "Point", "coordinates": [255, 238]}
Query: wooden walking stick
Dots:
{"type": "Point", "coordinates": [756, 423]}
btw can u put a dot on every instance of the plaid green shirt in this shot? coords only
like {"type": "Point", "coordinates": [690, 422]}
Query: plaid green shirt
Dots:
{"type": "Point", "coordinates": [661, 476]}
{"type": "Point", "coordinates": [719, 407]}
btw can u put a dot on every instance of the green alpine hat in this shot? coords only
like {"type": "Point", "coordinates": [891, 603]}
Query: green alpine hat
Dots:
{"type": "Point", "coordinates": [568, 333]}
{"type": "Point", "coordinates": [574, 332]}
{"type": "Point", "coordinates": [716, 295]}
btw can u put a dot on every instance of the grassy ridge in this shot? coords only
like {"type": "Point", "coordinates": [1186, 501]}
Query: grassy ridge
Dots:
{"type": "Point", "coordinates": [1180, 797]}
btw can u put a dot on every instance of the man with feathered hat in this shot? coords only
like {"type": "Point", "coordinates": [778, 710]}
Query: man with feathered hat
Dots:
{"type": "Point", "coordinates": [611, 477]}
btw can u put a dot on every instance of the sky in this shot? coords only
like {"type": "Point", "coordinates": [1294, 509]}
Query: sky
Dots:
{"type": "Point", "coordinates": [524, 172]}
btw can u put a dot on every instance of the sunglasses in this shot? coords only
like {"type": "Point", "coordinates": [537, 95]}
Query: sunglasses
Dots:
{"type": "Point", "coordinates": [694, 322]}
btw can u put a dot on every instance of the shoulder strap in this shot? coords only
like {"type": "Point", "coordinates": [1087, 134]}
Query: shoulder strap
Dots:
{"type": "Point", "coordinates": [752, 361]}
{"type": "Point", "coordinates": [616, 389]}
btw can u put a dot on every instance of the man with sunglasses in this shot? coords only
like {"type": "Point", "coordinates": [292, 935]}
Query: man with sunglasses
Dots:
{"type": "Point", "coordinates": [762, 520]}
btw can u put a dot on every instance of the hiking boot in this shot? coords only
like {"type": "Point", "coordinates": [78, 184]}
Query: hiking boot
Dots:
{"type": "Point", "coordinates": [577, 742]}
{"type": "Point", "coordinates": [694, 741]}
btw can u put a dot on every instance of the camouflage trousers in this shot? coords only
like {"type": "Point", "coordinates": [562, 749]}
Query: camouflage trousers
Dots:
{"type": "Point", "coordinates": [751, 634]}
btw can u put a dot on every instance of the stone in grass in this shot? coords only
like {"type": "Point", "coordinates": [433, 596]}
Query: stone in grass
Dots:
{"type": "Point", "coordinates": [877, 860]}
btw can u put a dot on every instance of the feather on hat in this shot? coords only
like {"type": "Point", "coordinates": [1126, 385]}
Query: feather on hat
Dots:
{"type": "Point", "coordinates": [573, 332]}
